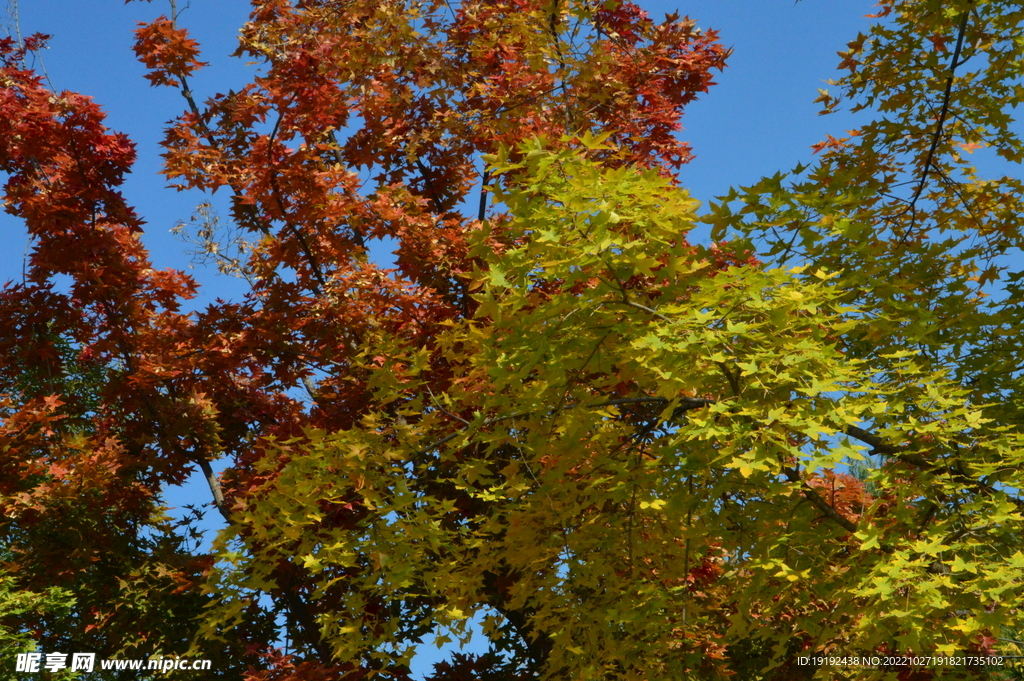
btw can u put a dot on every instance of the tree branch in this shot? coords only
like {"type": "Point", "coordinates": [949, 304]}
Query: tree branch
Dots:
{"type": "Point", "coordinates": [215, 489]}
{"type": "Point", "coordinates": [793, 475]}
{"type": "Point", "coordinates": [937, 135]}
{"type": "Point", "coordinates": [482, 212]}
{"type": "Point", "coordinates": [687, 403]}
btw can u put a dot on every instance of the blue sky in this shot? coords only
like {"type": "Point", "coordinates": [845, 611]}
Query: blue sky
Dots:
{"type": "Point", "coordinates": [759, 119]}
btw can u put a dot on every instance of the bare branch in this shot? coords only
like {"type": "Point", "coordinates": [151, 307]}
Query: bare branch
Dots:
{"type": "Point", "coordinates": [937, 135]}
{"type": "Point", "coordinates": [215, 489]}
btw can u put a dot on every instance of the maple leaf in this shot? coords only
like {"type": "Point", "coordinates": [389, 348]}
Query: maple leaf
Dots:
{"type": "Point", "coordinates": [939, 42]}
{"type": "Point", "coordinates": [52, 402]}
{"type": "Point", "coordinates": [971, 147]}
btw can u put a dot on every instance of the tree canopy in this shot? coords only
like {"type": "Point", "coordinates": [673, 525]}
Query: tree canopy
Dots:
{"type": "Point", "coordinates": [556, 422]}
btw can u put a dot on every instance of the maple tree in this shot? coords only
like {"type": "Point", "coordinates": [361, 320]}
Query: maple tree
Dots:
{"type": "Point", "coordinates": [555, 422]}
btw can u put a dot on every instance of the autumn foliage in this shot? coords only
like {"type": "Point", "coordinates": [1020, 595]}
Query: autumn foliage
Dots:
{"type": "Point", "coordinates": [555, 422]}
